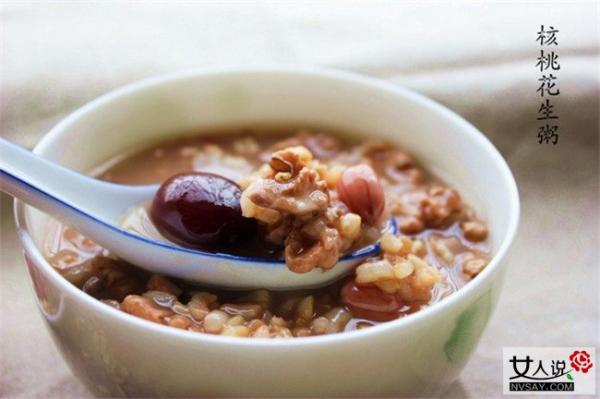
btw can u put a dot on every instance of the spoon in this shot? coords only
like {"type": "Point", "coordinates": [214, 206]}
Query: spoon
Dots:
{"type": "Point", "coordinates": [94, 208]}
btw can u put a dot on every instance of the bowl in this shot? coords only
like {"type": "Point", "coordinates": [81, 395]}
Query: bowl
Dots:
{"type": "Point", "coordinates": [115, 354]}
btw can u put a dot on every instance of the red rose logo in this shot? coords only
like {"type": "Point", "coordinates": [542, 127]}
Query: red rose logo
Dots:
{"type": "Point", "coordinates": [581, 361]}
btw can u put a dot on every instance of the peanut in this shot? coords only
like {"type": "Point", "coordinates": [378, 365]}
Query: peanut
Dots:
{"type": "Point", "coordinates": [360, 189]}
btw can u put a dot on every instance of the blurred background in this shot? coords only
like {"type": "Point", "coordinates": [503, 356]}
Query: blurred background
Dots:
{"type": "Point", "coordinates": [478, 58]}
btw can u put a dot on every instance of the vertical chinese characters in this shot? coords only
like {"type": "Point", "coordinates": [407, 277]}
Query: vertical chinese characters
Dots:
{"type": "Point", "coordinates": [547, 63]}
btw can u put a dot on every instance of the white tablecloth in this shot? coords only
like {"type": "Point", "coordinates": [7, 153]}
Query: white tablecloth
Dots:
{"type": "Point", "coordinates": [477, 58]}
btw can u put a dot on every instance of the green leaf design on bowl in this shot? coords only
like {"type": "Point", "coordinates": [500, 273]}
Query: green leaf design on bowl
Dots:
{"type": "Point", "coordinates": [469, 327]}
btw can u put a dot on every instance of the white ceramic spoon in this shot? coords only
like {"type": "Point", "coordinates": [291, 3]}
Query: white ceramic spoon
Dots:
{"type": "Point", "coordinates": [94, 208]}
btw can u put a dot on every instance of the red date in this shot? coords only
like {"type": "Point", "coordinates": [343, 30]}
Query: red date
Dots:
{"type": "Point", "coordinates": [370, 302]}
{"type": "Point", "coordinates": [200, 210]}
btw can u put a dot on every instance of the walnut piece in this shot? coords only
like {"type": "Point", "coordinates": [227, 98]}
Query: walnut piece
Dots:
{"type": "Point", "coordinates": [293, 199]}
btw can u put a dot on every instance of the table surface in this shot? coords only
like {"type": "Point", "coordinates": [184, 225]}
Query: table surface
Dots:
{"type": "Point", "coordinates": [56, 59]}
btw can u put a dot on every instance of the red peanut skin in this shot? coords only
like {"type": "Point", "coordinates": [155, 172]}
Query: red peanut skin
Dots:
{"type": "Point", "coordinates": [360, 189]}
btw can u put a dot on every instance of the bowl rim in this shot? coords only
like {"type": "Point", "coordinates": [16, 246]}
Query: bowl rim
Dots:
{"type": "Point", "coordinates": [345, 77]}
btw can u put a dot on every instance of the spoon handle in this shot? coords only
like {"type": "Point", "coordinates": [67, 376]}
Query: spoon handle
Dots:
{"type": "Point", "coordinates": [40, 182]}
{"type": "Point", "coordinates": [63, 192]}
{"type": "Point", "coordinates": [58, 190]}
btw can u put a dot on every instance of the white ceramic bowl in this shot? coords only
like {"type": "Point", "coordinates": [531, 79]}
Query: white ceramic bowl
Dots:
{"type": "Point", "coordinates": [114, 353]}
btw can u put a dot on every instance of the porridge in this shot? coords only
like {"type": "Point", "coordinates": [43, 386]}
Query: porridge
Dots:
{"type": "Point", "coordinates": [303, 196]}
